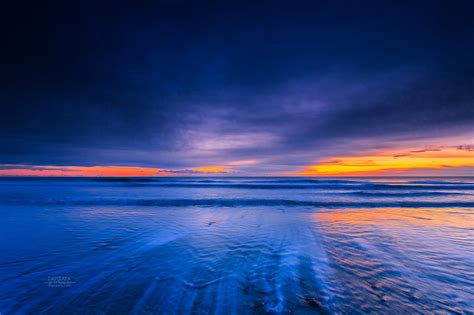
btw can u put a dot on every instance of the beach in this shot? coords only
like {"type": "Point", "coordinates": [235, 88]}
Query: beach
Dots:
{"type": "Point", "coordinates": [236, 245]}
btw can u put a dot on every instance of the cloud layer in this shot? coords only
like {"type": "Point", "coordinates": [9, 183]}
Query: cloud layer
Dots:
{"type": "Point", "coordinates": [264, 89]}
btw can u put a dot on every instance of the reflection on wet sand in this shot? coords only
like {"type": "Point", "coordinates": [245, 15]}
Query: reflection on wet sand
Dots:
{"type": "Point", "coordinates": [400, 259]}
{"type": "Point", "coordinates": [445, 217]}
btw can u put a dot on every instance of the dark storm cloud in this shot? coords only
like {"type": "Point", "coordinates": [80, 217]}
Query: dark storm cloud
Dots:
{"type": "Point", "coordinates": [186, 84]}
{"type": "Point", "coordinates": [425, 105]}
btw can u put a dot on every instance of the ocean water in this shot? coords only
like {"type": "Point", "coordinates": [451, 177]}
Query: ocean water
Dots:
{"type": "Point", "coordinates": [236, 246]}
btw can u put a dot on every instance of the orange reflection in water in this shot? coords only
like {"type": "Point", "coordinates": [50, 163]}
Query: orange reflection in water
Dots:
{"type": "Point", "coordinates": [429, 217]}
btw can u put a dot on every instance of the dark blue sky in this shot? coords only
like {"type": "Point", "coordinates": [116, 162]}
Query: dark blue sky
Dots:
{"type": "Point", "coordinates": [265, 85]}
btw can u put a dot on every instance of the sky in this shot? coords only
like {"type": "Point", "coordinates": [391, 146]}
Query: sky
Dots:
{"type": "Point", "coordinates": [294, 88]}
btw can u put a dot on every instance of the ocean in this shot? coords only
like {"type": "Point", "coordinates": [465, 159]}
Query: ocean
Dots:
{"type": "Point", "coordinates": [229, 245]}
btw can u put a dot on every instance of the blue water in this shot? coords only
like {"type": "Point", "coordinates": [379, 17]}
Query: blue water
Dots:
{"type": "Point", "coordinates": [236, 246]}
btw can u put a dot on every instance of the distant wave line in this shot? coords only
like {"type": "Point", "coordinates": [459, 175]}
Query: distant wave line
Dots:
{"type": "Point", "coordinates": [367, 186]}
{"type": "Point", "coordinates": [238, 203]}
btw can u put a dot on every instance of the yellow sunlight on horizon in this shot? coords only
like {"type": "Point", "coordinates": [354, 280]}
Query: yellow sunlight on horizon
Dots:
{"type": "Point", "coordinates": [393, 160]}
{"type": "Point", "coordinates": [211, 169]}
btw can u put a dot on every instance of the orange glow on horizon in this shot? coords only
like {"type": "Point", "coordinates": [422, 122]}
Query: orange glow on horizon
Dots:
{"type": "Point", "coordinates": [86, 171]}
{"type": "Point", "coordinates": [394, 161]}
{"type": "Point", "coordinates": [104, 171]}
